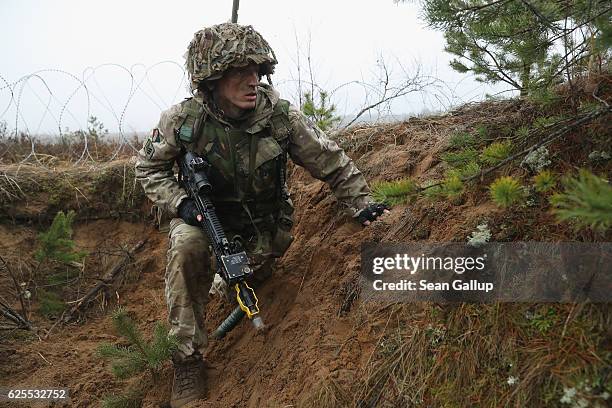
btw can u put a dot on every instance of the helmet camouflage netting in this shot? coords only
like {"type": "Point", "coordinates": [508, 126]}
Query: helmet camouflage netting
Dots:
{"type": "Point", "coordinates": [215, 49]}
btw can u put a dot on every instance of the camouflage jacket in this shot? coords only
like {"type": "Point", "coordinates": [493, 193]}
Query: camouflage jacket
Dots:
{"type": "Point", "coordinates": [306, 145]}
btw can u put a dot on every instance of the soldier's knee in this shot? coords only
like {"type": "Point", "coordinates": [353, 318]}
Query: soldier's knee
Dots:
{"type": "Point", "coordinates": [187, 241]}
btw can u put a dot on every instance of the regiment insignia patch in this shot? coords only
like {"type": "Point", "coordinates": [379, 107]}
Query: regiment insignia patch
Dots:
{"type": "Point", "coordinates": [149, 149]}
{"type": "Point", "coordinates": [155, 136]}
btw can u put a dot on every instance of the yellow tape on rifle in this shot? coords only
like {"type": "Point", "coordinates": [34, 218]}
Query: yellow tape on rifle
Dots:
{"type": "Point", "coordinates": [241, 304]}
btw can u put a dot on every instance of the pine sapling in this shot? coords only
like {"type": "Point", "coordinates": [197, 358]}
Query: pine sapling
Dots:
{"type": "Point", "coordinates": [57, 244]}
{"type": "Point", "coordinates": [522, 132]}
{"type": "Point", "coordinates": [461, 140]}
{"type": "Point", "coordinates": [506, 191]}
{"type": "Point", "coordinates": [394, 192]}
{"type": "Point", "coordinates": [586, 201]}
{"type": "Point", "coordinates": [495, 152]}
{"type": "Point", "coordinates": [469, 170]}
{"type": "Point", "coordinates": [544, 181]}
{"type": "Point", "coordinates": [461, 157]}
{"type": "Point", "coordinates": [139, 355]}
{"type": "Point", "coordinates": [452, 186]}
{"type": "Point", "coordinates": [50, 304]}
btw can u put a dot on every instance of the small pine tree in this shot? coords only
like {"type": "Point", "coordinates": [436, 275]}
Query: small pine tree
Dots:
{"type": "Point", "coordinates": [50, 304]}
{"type": "Point", "coordinates": [469, 170]}
{"type": "Point", "coordinates": [544, 181]}
{"type": "Point", "coordinates": [323, 115]}
{"type": "Point", "coordinates": [56, 244]}
{"type": "Point", "coordinates": [515, 41]}
{"type": "Point", "coordinates": [506, 191]}
{"type": "Point", "coordinates": [587, 201]}
{"type": "Point", "coordinates": [522, 132]}
{"type": "Point", "coordinates": [461, 158]}
{"type": "Point", "coordinates": [96, 129]}
{"type": "Point", "coordinates": [495, 153]}
{"type": "Point", "coordinates": [394, 192]}
{"type": "Point", "coordinates": [461, 140]}
{"type": "Point", "coordinates": [139, 355]}
{"type": "Point", "coordinates": [452, 186]}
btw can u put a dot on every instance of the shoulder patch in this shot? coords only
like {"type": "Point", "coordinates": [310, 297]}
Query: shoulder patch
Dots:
{"type": "Point", "coordinates": [149, 149]}
{"type": "Point", "coordinates": [186, 133]}
{"type": "Point", "coordinates": [155, 136]}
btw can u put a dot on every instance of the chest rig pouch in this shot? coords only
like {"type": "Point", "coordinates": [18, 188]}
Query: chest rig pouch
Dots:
{"type": "Point", "coordinates": [248, 174]}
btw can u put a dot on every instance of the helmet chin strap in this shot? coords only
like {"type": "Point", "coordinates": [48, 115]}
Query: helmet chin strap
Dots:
{"type": "Point", "coordinates": [269, 79]}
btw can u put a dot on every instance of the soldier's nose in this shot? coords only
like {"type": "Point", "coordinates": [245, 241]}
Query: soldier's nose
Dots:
{"type": "Point", "coordinates": [253, 79]}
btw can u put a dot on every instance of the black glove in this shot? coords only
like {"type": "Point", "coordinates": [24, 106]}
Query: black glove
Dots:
{"type": "Point", "coordinates": [188, 212]}
{"type": "Point", "coordinates": [371, 212]}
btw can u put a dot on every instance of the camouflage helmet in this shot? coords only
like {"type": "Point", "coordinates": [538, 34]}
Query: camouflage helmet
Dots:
{"type": "Point", "coordinates": [215, 49]}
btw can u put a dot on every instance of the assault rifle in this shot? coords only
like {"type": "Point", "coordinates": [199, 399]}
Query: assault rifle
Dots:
{"type": "Point", "coordinates": [232, 261]}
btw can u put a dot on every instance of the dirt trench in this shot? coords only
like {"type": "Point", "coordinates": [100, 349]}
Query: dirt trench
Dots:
{"type": "Point", "coordinates": [319, 334]}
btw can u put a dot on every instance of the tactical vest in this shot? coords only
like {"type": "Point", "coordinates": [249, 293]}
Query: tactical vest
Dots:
{"type": "Point", "coordinates": [248, 169]}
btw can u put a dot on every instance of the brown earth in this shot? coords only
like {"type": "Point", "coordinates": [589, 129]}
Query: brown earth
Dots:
{"type": "Point", "coordinates": [319, 335]}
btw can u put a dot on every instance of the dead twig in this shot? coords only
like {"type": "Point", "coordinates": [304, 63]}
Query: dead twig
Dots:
{"type": "Point", "coordinates": [108, 277]}
{"type": "Point", "coordinates": [20, 320]}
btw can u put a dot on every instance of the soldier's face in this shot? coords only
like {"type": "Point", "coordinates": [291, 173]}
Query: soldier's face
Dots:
{"type": "Point", "coordinates": [236, 91]}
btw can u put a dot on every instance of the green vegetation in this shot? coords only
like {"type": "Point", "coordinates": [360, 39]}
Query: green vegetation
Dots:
{"type": "Point", "coordinates": [515, 42]}
{"type": "Point", "coordinates": [586, 201]}
{"type": "Point", "coordinates": [96, 132]}
{"type": "Point", "coordinates": [522, 132]}
{"type": "Point", "coordinates": [132, 398]}
{"type": "Point", "coordinates": [461, 140]}
{"type": "Point", "coordinates": [51, 304]}
{"type": "Point", "coordinates": [544, 320]}
{"type": "Point", "coordinates": [56, 244]}
{"type": "Point", "coordinates": [394, 192]}
{"type": "Point", "coordinates": [452, 186]}
{"type": "Point", "coordinates": [461, 158]}
{"type": "Point", "coordinates": [506, 350]}
{"type": "Point", "coordinates": [506, 191]}
{"type": "Point", "coordinates": [323, 115]}
{"type": "Point", "coordinates": [468, 170]}
{"type": "Point", "coordinates": [496, 152]}
{"type": "Point", "coordinates": [544, 181]}
{"type": "Point", "coordinates": [139, 356]}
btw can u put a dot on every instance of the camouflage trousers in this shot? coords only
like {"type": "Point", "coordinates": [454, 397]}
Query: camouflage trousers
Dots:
{"type": "Point", "coordinates": [190, 271]}
{"type": "Point", "coordinates": [188, 278]}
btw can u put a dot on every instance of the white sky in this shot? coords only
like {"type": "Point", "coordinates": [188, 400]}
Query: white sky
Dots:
{"type": "Point", "coordinates": [347, 39]}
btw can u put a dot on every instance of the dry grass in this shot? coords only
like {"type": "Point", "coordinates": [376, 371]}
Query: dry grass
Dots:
{"type": "Point", "coordinates": [34, 191]}
{"type": "Point", "coordinates": [477, 355]}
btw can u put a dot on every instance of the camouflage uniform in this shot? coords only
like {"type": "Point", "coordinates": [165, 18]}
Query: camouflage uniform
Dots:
{"type": "Point", "coordinates": [245, 156]}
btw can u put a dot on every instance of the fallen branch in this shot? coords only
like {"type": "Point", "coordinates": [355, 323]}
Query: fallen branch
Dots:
{"type": "Point", "coordinates": [108, 277]}
{"type": "Point", "coordinates": [20, 320]}
{"type": "Point", "coordinates": [10, 314]}
{"type": "Point", "coordinates": [545, 141]}
{"type": "Point", "coordinates": [557, 134]}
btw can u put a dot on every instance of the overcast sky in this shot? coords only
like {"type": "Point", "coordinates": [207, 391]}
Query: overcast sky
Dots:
{"type": "Point", "coordinates": [105, 43]}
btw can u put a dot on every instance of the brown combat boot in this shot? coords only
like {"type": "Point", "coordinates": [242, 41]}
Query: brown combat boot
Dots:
{"type": "Point", "coordinates": [188, 380]}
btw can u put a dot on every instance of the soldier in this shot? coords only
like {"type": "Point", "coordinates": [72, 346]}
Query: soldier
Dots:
{"type": "Point", "coordinates": [246, 132]}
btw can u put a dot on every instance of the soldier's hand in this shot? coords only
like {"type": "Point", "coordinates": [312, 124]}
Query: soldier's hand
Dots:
{"type": "Point", "coordinates": [188, 211]}
{"type": "Point", "coordinates": [371, 213]}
